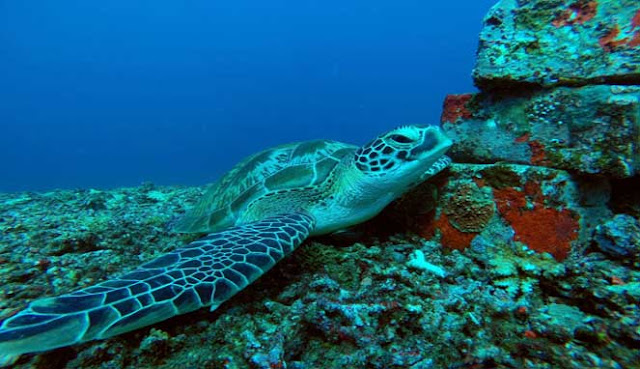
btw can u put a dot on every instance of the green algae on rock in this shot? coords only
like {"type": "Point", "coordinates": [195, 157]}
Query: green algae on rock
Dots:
{"type": "Point", "coordinates": [355, 305]}
{"type": "Point", "coordinates": [550, 43]}
{"type": "Point", "coordinates": [527, 258]}
{"type": "Point", "coordinates": [589, 130]}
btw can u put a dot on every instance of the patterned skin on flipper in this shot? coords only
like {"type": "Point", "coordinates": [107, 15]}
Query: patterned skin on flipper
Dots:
{"type": "Point", "coordinates": [334, 185]}
{"type": "Point", "coordinates": [206, 272]}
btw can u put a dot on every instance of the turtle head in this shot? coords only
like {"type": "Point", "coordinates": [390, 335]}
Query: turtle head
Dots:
{"type": "Point", "coordinates": [405, 156]}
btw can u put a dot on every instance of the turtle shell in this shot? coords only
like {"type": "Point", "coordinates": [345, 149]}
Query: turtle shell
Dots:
{"type": "Point", "coordinates": [302, 165]}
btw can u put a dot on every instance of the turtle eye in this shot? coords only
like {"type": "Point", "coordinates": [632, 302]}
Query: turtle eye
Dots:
{"type": "Point", "coordinates": [401, 139]}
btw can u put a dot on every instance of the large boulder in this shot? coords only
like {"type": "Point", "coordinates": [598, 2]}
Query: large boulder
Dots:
{"type": "Point", "coordinates": [555, 42]}
{"type": "Point", "coordinates": [588, 130]}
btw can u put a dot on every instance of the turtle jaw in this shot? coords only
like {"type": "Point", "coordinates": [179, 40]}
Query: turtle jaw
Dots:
{"type": "Point", "coordinates": [435, 168]}
{"type": "Point", "coordinates": [429, 158]}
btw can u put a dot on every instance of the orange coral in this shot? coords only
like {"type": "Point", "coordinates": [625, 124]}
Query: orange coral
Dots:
{"type": "Point", "coordinates": [451, 237]}
{"type": "Point", "coordinates": [617, 281]}
{"type": "Point", "coordinates": [538, 155]}
{"type": "Point", "coordinates": [533, 191]}
{"type": "Point", "coordinates": [455, 107]}
{"type": "Point", "coordinates": [545, 230]}
{"type": "Point", "coordinates": [635, 22]}
{"type": "Point", "coordinates": [465, 213]}
{"type": "Point", "coordinates": [578, 13]}
{"type": "Point", "coordinates": [609, 41]}
{"type": "Point", "coordinates": [541, 228]}
{"type": "Point", "coordinates": [635, 41]}
{"type": "Point", "coordinates": [509, 198]}
{"type": "Point", "coordinates": [523, 138]}
{"type": "Point", "coordinates": [480, 182]}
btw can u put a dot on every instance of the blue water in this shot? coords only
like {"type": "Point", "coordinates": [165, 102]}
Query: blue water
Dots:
{"type": "Point", "coordinates": [115, 93]}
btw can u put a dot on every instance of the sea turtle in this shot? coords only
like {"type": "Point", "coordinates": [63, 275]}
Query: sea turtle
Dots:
{"type": "Point", "coordinates": [255, 215]}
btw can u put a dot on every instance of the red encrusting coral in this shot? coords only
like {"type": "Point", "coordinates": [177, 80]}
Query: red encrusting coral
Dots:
{"type": "Point", "coordinates": [480, 182]}
{"type": "Point", "coordinates": [523, 138]}
{"type": "Point", "coordinates": [534, 192]}
{"type": "Point", "coordinates": [455, 107]}
{"type": "Point", "coordinates": [538, 155]}
{"type": "Point", "coordinates": [540, 227]}
{"type": "Point", "coordinates": [509, 198]}
{"type": "Point", "coordinates": [635, 41]}
{"type": "Point", "coordinates": [635, 21]}
{"type": "Point", "coordinates": [615, 280]}
{"type": "Point", "coordinates": [610, 41]}
{"type": "Point", "coordinates": [450, 237]}
{"type": "Point", "coordinates": [578, 13]}
{"type": "Point", "coordinates": [462, 215]}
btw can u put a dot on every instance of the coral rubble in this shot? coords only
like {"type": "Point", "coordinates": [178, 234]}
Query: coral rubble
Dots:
{"type": "Point", "coordinates": [388, 302]}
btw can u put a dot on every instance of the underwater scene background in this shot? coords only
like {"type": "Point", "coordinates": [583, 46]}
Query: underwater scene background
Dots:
{"type": "Point", "coordinates": [522, 253]}
{"type": "Point", "coordinates": [119, 93]}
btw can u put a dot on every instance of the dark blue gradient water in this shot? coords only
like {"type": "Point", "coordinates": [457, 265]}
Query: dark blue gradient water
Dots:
{"type": "Point", "coordinates": [115, 93]}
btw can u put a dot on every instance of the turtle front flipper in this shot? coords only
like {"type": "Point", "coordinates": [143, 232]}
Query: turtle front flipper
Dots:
{"type": "Point", "coordinates": [206, 272]}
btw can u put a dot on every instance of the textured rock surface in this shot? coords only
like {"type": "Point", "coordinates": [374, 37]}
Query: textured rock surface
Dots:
{"type": "Point", "coordinates": [588, 130]}
{"type": "Point", "coordinates": [501, 265]}
{"type": "Point", "coordinates": [497, 304]}
{"type": "Point", "coordinates": [543, 210]}
{"type": "Point", "coordinates": [72, 239]}
{"type": "Point", "coordinates": [559, 42]}
{"type": "Point", "coordinates": [620, 237]}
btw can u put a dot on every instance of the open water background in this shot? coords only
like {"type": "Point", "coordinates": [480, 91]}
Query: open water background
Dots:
{"type": "Point", "coordinates": [116, 93]}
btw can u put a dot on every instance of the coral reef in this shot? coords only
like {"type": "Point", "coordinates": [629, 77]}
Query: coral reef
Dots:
{"type": "Point", "coordinates": [541, 207]}
{"type": "Point", "coordinates": [392, 302]}
{"type": "Point", "coordinates": [455, 107]}
{"type": "Point", "coordinates": [560, 93]}
{"type": "Point", "coordinates": [523, 254]}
